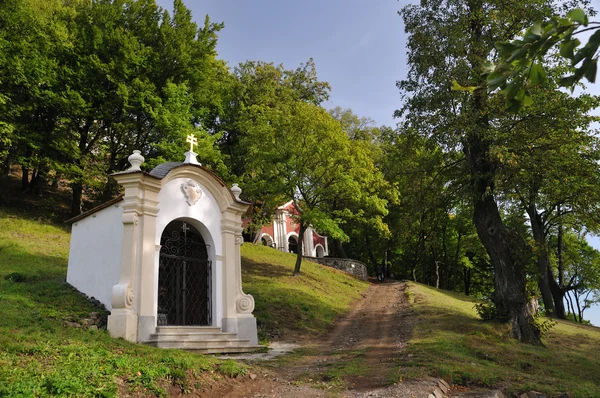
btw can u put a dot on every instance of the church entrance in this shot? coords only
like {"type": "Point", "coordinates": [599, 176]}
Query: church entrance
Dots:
{"type": "Point", "coordinates": [184, 277]}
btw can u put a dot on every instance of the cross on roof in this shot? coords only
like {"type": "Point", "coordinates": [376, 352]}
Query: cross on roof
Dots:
{"type": "Point", "coordinates": [192, 140]}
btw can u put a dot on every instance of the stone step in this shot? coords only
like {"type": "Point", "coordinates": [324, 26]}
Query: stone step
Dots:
{"type": "Point", "coordinates": [208, 346]}
{"type": "Point", "coordinates": [192, 336]}
{"type": "Point", "coordinates": [229, 350]}
{"type": "Point", "coordinates": [188, 329]}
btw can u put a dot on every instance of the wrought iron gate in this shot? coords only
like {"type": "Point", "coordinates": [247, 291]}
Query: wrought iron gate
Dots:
{"type": "Point", "coordinates": [184, 277]}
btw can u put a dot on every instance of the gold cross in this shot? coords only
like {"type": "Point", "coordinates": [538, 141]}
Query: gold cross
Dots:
{"type": "Point", "coordinates": [193, 141]}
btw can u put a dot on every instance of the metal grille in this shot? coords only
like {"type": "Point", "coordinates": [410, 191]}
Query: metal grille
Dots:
{"type": "Point", "coordinates": [184, 277]}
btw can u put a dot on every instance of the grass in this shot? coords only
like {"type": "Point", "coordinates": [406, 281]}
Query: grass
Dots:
{"type": "Point", "coordinates": [450, 341]}
{"type": "Point", "coordinates": [43, 354]}
{"type": "Point", "coordinates": [306, 304]}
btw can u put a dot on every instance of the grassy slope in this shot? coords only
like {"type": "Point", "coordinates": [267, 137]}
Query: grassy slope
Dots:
{"type": "Point", "coordinates": [451, 342]}
{"type": "Point", "coordinates": [40, 356]}
{"type": "Point", "coordinates": [304, 304]}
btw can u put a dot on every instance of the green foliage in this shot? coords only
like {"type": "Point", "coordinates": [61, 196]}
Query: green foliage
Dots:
{"type": "Point", "coordinates": [520, 61]}
{"type": "Point", "coordinates": [88, 82]}
{"type": "Point", "coordinates": [486, 310]}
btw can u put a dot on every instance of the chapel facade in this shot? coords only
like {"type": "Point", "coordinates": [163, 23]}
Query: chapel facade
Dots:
{"type": "Point", "coordinates": [164, 258]}
{"type": "Point", "coordinates": [283, 234]}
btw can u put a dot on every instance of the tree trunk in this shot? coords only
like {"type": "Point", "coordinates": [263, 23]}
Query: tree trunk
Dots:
{"type": "Point", "coordinates": [454, 265]}
{"type": "Point", "coordinates": [76, 199]}
{"type": "Point", "coordinates": [300, 250]}
{"type": "Point", "coordinates": [339, 249]}
{"type": "Point", "coordinates": [467, 280]}
{"type": "Point", "coordinates": [24, 178]}
{"type": "Point", "coordinates": [561, 266]}
{"type": "Point", "coordinates": [572, 307]}
{"type": "Point", "coordinates": [558, 295]}
{"type": "Point", "coordinates": [510, 295]}
{"type": "Point", "coordinates": [579, 312]}
{"type": "Point", "coordinates": [543, 259]}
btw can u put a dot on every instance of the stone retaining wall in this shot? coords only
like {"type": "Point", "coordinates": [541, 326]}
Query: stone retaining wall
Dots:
{"type": "Point", "coordinates": [348, 265]}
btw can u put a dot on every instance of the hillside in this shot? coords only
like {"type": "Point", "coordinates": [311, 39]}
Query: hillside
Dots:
{"type": "Point", "coordinates": [450, 341]}
{"type": "Point", "coordinates": [52, 342]}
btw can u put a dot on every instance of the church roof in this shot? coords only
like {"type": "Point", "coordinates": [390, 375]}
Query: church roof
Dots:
{"type": "Point", "coordinates": [163, 169]}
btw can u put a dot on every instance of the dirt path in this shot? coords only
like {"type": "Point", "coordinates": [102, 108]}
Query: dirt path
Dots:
{"type": "Point", "coordinates": [359, 358]}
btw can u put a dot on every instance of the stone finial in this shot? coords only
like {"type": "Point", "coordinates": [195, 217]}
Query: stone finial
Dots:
{"type": "Point", "coordinates": [136, 160]}
{"type": "Point", "coordinates": [236, 191]}
{"type": "Point", "coordinates": [190, 157]}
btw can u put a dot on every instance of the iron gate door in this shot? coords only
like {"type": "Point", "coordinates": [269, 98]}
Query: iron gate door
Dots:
{"type": "Point", "coordinates": [184, 277]}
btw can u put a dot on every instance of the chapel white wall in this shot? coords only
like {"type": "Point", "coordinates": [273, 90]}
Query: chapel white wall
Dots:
{"type": "Point", "coordinates": [95, 254]}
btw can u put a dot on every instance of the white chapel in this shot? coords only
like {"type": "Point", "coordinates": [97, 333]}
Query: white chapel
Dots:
{"type": "Point", "coordinates": [164, 258]}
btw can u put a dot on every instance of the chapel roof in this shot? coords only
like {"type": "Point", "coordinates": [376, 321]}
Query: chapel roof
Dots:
{"type": "Point", "coordinates": [163, 169]}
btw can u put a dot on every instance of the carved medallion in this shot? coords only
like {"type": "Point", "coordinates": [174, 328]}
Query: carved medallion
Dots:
{"type": "Point", "coordinates": [191, 190]}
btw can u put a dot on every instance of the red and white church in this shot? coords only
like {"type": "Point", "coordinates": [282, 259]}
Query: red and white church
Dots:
{"type": "Point", "coordinates": [283, 233]}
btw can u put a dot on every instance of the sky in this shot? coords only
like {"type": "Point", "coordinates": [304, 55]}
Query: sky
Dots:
{"type": "Point", "coordinates": [358, 47]}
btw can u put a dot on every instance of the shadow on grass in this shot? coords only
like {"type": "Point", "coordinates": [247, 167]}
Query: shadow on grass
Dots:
{"type": "Point", "coordinates": [262, 269]}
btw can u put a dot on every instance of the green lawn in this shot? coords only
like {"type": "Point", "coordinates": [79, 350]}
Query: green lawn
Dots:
{"type": "Point", "coordinates": [450, 341]}
{"type": "Point", "coordinates": [304, 304]}
{"type": "Point", "coordinates": [41, 356]}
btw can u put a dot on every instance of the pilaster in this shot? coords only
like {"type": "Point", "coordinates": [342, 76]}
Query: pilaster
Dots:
{"type": "Point", "coordinates": [122, 322]}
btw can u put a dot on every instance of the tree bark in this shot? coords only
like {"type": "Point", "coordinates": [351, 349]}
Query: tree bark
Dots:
{"type": "Point", "coordinates": [339, 249]}
{"type": "Point", "coordinates": [300, 249]}
{"type": "Point", "coordinates": [510, 295]}
{"type": "Point", "coordinates": [543, 259]}
{"type": "Point", "coordinates": [467, 280]}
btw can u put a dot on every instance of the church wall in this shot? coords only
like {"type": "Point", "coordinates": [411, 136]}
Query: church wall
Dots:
{"type": "Point", "coordinates": [95, 254]}
{"type": "Point", "coordinates": [205, 215]}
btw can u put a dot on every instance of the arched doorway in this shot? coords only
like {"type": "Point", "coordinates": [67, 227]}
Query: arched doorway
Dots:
{"type": "Point", "coordinates": [320, 251]}
{"type": "Point", "coordinates": [184, 277]}
{"type": "Point", "coordinates": [292, 244]}
{"type": "Point", "coordinates": [266, 240]}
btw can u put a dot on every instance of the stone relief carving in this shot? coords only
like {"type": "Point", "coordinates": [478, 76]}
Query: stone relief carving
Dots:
{"type": "Point", "coordinates": [245, 305]}
{"type": "Point", "coordinates": [192, 191]}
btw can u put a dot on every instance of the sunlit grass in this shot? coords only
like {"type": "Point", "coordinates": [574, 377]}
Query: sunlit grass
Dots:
{"type": "Point", "coordinates": [450, 341]}
{"type": "Point", "coordinates": [40, 355]}
{"type": "Point", "coordinates": [306, 303]}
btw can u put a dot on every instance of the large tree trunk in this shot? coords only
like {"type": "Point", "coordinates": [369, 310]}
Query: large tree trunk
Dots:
{"type": "Point", "coordinates": [510, 295]}
{"type": "Point", "coordinates": [339, 249]}
{"type": "Point", "coordinates": [543, 259]}
{"type": "Point", "coordinates": [300, 249]}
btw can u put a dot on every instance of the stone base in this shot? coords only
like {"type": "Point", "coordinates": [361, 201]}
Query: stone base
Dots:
{"type": "Point", "coordinates": [123, 323]}
{"type": "Point", "coordinates": [245, 327]}
{"type": "Point", "coordinates": [146, 326]}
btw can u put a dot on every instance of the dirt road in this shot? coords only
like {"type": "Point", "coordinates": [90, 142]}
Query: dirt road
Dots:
{"type": "Point", "coordinates": [359, 358]}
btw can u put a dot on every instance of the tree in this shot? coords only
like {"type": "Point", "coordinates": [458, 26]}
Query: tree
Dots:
{"type": "Point", "coordinates": [89, 81]}
{"type": "Point", "coordinates": [521, 61]}
{"type": "Point", "coordinates": [363, 219]}
{"type": "Point", "coordinates": [582, 267]}
{"type": "Point", "coordinates": [456, 41]}
{"type": "Point", "coordinates": [549, 167]}
{"type": "Point", "coordinates": [297, 152]}
{"type": "Point", "coordinates": [258, 83]}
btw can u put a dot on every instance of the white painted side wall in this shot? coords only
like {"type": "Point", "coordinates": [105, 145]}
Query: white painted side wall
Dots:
{"type": "Point", "coordinates": [95, 254]}
{"type": "Point", "coordinates": [205, 215]}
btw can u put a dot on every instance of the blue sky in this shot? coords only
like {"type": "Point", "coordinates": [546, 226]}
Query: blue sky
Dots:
{"type": "Point", "coordinates": [358, 47]}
